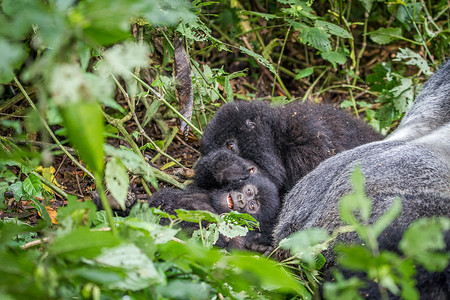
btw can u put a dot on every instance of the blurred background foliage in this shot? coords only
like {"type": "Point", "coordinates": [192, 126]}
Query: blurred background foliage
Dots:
{"type": "Point", "coordinates": [93, 93]}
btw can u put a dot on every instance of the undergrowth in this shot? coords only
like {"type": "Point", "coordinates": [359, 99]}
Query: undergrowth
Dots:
{"type": "Point", "coordinates": [75, 74]}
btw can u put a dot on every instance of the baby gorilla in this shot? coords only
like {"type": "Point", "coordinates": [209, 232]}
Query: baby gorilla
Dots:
{"type": "Point", "coordinates": [256, 196]}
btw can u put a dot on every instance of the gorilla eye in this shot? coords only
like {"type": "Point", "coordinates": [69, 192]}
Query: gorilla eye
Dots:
{"type": "Point", "coordinates": [230, 146]}
{"type": "Point", "coordinates": [252, 206]}
{"type": "Point", "coordinates": [249, 192]}
{"type": "Point", "coordinates": [251, 171]}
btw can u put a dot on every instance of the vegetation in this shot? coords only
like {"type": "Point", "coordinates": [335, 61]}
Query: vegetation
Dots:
{"type": "Point", "coordinates": [90, 91]}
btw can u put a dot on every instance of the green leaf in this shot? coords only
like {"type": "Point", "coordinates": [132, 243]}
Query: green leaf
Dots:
{"type": "Point", "coordinates": [196, 216]}
{"type": "Point", "coordinates": [304, 73]}
{"type": "Point", "coordinates": [79, 213]}
{"type": "Point", "coordinates": [158, 233]}
{"type": "Point", "coordinates": [140, 271]}
{"type": "Point", "coordinates": [122, 59]}
{"type": "Point", "coordinates": [84, 123]}
{"type": "Point", "coordinates": [355, 257]}
{"type": "Point", "coordinates": [356, 201]}
{"type": "Point", "coordinates": [17, 189]}
{"type": "Point", "coordinates": [316, 38]}
{"type": "Point", "coordinates": [232, 230]}
{"type": "Point", "coordinates": [367, 4]}
{"type": "Point", "coordinates": [333, 29]}
{"type": "Point", "coordinates": [268, 273]}
{"type": "Point", "coordinates": [259, 58]}
{"type": "Point", "coordinates": [334, 57]}
{"type": "Point", "coordinates": [12, 55]}
{"type": "Point", "coordinates": [134, 163]}
{"type": "Point", "coordinates": [415, 60]}
{"type": "Point", "coordinates": [82, 243]}
{"type": "Point", "coordinates": [32, 186]}
{"type": "Point", "coordinates": [423, 241]}
{"type": "Point", "coordinates": [236, 218]}
{"type": "Point", "coordinates": [388, 217]}
{"type": "Point", "coordinates": [342, 288]}
{"type": "Point", "coordinates": [117, 181]}
{"type": "Point", "coordinates": [186, 289]}
{"type": "Point", "coordinates": [306, 244]}
{"type": "Point", "coordinates": [385, 36]}
{"type": "Point", "coordinates": [208, 237]}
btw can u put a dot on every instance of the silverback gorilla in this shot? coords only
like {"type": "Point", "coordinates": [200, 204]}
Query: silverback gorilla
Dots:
{"type": "Point", "coordinates": [286, 142]}
{"type": "Point", "coordinates": [413, 164]}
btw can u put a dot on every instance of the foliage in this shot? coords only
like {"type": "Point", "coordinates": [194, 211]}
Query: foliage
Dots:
{"type": "Point", "coordinates": [81, 74]}
{"type": "Point", "coordinates": [144, 260]}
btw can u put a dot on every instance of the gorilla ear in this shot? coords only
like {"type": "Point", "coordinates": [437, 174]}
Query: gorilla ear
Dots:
{"type": "Point", "coordinates": [250, 124]}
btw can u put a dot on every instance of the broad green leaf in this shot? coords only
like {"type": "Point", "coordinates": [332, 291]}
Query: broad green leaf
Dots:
{"type": "Point", "coordinates": [32, 186]}
{"type": "Point", "coordinates": [415, 60]}
{"type": "Point", "coordinates": [268, 273]}
{"type": "Point", "coordinates": [84, 123]}
{"type": "Point", "coordinates": [403, 95]}
{"type": "Point", "coordinates": [316, 38]}
{"type": "Point", "coordinates": [259, 58]}
{"type": "Point", "coordinates": [237, 218]}
{"type": "Point", "coordinates": [387, 218]}
{"type": "Point", "coordinates": [333, 29]}
{"type": "Point", "coordinates": [334, 57]}
{"type": "Point", "coordinates": [17, 189]}
{"type": "Point", "coordinates": [367, 4]}
{"type": "Point", "coordinates": [134, 163]}
{"type": "Point", "coordinates": [117, 181]}
{"type": "Point", "coordinates": [122, 59]}
{"type": "Point", "coordinates": [385, 36]}
{"type": "Point", "coordinates": [306, 244]}
{"type": "Point", "coordinates": [355, 201]}
{"type": "Point", "coordinates": [158, 233]}
{"type": "Point", "coordinates": [196, 216]}
{"type": "Point", "coordinates": [140, 271]}
{"type": "Point", "coordinates": [342, 288]}
{"type": "Point", "coordinates": [232, 230]}
{"type": "Point", "coordinates": [186, 289]}
{"type": "Point", "coordinates": [78, 213]}
{"type": "Point", "coordinates": [354, 257]}
{"type": "Point", "coordinates": [207, 236]}
{"type": "Point", "coordinates": [12, 56]}
{"type": "Point", "coordinates": [304, 73]}
{"type": "Point", "coordinates": [82, 243]}
{"type": "Point", "coordinates": [424, 242]}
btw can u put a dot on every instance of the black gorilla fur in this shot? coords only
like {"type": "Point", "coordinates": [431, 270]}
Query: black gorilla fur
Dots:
{"type": "Point", "coordinates": [287, 142]}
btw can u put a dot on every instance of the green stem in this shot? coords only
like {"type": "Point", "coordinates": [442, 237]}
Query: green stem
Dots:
{"type": "Point", "coordinates": [314, 84]}
{"type": "Point", "coordinates": [158, 173]}
{"type": "Point", "coordinates": [50, 131]}
{"type": "Point", "coordinates": [105, 204]}
{"type": "Point", "coordinates": [160, 98]}
{"type": "Point", "coordinates": [51, 185]}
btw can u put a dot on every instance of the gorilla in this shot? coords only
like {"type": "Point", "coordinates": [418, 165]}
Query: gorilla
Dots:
{"type": "Point", "coordinates": [256, 196]}
{"type": "Point", "coordinates": [413, 164]}
{"type": "Point", "coordinates": [286, 142]}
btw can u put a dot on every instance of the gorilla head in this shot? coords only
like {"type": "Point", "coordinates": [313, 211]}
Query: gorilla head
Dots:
{"type": "Point", "coordinates": [222, 167]}
{"type": "Point", "coordinates": [284, 142]}
{"type": "Point", "coordinates": [256, 196]}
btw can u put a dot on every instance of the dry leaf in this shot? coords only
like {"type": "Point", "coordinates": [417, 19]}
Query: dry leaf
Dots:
{"type": "Point", "coordinates": [184, 90]}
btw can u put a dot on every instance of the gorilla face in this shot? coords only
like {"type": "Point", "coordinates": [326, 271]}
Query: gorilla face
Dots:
{"type": "Point", "coordinates": [256, 196]}
{"type": "Point", "coordinates": [222, 167]}
{"type": "Point", "coordinates": [245, 200]}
